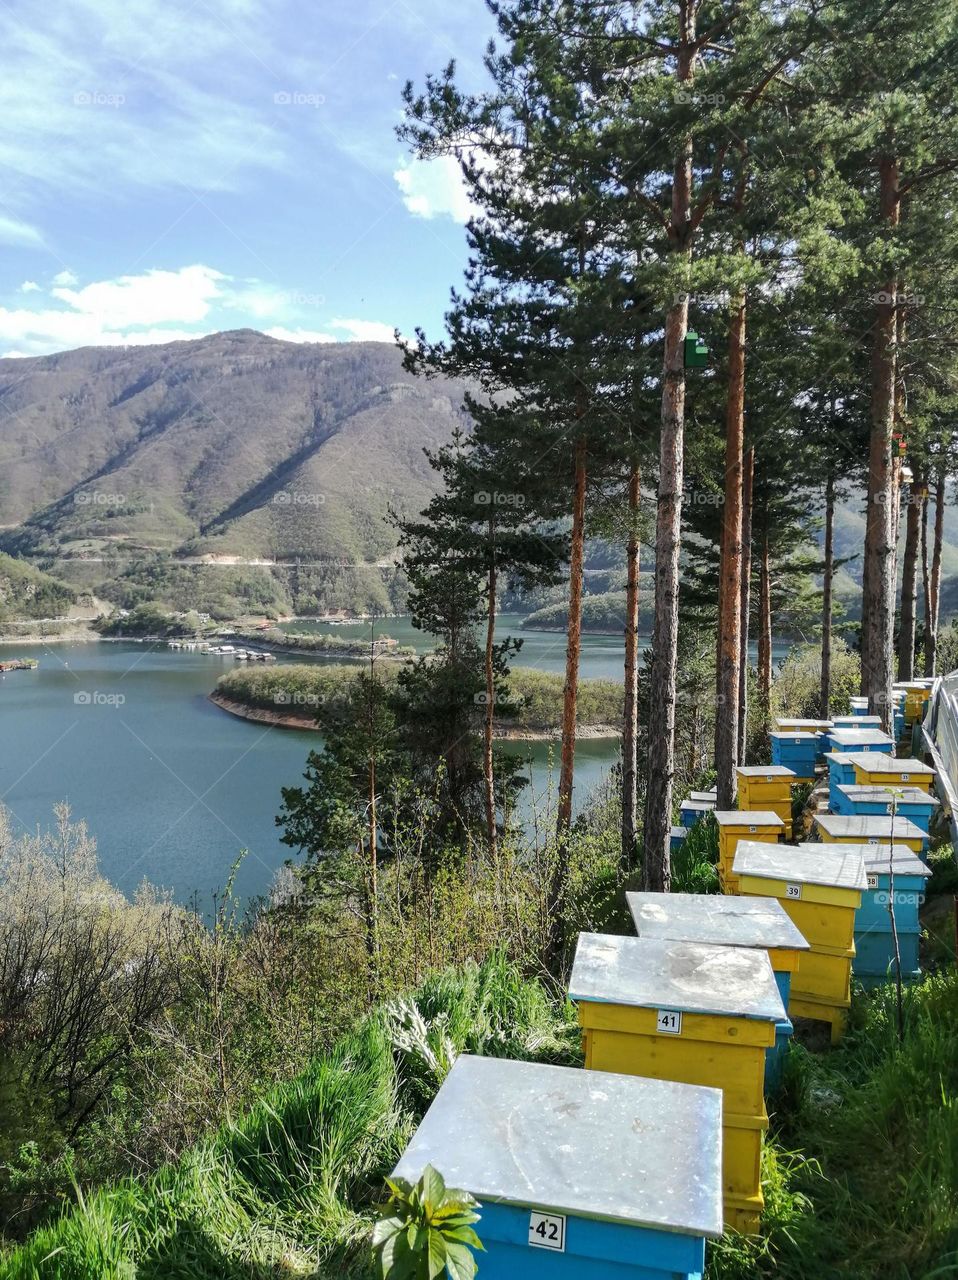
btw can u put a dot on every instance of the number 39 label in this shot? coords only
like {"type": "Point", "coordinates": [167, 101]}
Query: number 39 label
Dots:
{"type": "Point", "coordinates": [547, 1231]}
{"type": "Point", "coordinates": [793, 891]}
{"type": "Point", "coordinates": [668, 1022]}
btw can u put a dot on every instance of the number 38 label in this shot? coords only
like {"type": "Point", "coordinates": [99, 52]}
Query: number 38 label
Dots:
{"type": "Point", "coordinates": [547, 1231]}
{"type": "Point", "coordinates": [668, 1022]}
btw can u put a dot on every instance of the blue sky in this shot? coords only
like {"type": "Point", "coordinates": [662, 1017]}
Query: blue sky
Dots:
{"type": "Point", "coordinates": [168, 170]}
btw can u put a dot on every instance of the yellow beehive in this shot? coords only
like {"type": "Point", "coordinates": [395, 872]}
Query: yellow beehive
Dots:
{"type": "Point", "coordinates": [917, 693]}
{"type": "Point", "coordinates": [820, 886]}
{"type": "Point", "coordinates": [735, 825]}
{"type": "Point", "coordinates": [791, 724]}
{"type": "Point", "coordinates": [875, 770]}
{"type": "Point", "coordinates": [697, 1014]}
{"type": "Point", "coordinates": [870, 828]}
{"type": "Point", "coordinates": [767, 788]}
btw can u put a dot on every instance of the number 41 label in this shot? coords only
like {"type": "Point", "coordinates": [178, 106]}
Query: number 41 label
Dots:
{"type": "Point", "coordinates": [668, 1022]}
{"type": "Point", "coordinates": [547, 1231]}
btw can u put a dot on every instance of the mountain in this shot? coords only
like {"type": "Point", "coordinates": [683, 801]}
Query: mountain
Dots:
{"type": "Point", "coordinates": [174, 466]}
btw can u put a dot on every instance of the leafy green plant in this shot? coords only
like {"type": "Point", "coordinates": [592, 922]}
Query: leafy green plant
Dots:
{"type": "Point", "coordinates": [426, 1230]}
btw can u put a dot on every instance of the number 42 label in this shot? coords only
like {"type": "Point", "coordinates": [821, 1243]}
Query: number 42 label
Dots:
{"type": "Point", "coordinates": [547, 1231]}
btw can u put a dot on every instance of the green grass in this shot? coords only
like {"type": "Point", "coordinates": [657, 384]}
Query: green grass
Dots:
{"type": "Point", "coordinates": [288, 1189]}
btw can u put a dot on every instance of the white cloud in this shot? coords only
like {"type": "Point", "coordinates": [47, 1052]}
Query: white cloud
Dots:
{"type": "Point", "coordinates": [66, 278]}
{"type": "Point", "coordinates": [156, 297]}
{"type": "Point", "coordinates": [29, 286]}
{"type": "Point", "coordinates": [365, 330]}
{"type": "Point", "coordinates": [434, 189]}
{"type": "Point", "coordinates": [15, 231]}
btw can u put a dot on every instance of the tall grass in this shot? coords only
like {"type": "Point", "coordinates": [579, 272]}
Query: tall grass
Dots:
{"type": "Point", "coordinates": [288, 1190]}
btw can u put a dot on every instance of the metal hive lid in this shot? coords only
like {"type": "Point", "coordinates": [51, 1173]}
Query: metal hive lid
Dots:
{"type": "Point", "coordinates": [831, 866]}
{"type": "Point", "coordinates": [885, 794]}
{"type": "Point", "coordinates": [590, 1143]}
{"type": "Point", "coordinates": [657, 973]}
{"type": "Point", "coordinates": [863, 826]}
{"type": "Point", "coordinates": [875, 762]}
{"type": "Point", "coordinates": [904, 860]}
{"type": "Point", "coordinates": [715, 919]}
{"type": "Point", "coordinates": [764, 771]}
{"type": "Point", "coordinates": [860, 737]}
{"type": "Point", "coordinates": [748, 818]}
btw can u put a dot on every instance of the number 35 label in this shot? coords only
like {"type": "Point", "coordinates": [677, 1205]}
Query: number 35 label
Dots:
{"type": "Point", "coordinates": [547, 1231]}
{"type": "Point", "coordinates": [669, 1022]}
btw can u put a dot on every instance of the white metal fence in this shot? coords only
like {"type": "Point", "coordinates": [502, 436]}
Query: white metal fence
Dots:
{"type": "Point", "coordinates": [939, 731]}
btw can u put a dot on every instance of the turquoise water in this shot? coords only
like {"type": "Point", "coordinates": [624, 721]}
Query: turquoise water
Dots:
{"type": "Point", "coordinates": [171, 786]}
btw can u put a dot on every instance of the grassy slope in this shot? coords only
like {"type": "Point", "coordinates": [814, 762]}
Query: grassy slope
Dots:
{"type": "Point", "coordinates": [861, 1174]}
{"type": "Point", "coordinates": [26, 592]}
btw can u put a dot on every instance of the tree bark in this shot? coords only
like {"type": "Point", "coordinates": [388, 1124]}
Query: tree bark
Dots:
{"type": "Point", "coordinates": [879, 565]}
{"type": "Point", "coordinates": [909, 583]}
{"type": "Point", "coordinates": [730, 569]}
{"type": "Point", "coordinates": [573, 640]}
{"type": "Point", "coordinates": [489, 724]}
{"type": "Point", "coordinates": [630, 718]}
{"type": "Point", "coordinates": [934, 588]}
{"type": "Point", "coordinates": [765, 623]}
{"type": "Point", "coordinates": [668, 525]}
{"type": "Point", "coordinates": [748, 480]}
{"type": "Point", "coordinates": [826, 690]}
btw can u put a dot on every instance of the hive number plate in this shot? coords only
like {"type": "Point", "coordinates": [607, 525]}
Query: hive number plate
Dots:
{"type": "Point", "coordinates": [793, 891]}
{"type": "Point", "coordinates": [872, 881]}
{"type": "Point", "coordinates": [547, 1231]}
{"type": "Point", "coordinates": [668, 1022]}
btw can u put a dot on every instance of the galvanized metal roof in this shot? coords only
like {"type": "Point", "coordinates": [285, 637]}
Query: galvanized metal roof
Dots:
{"type": "Point", "coordinates": [905, 861]}
{"type": "Point", "coordinates": [802, 723]}
{"type": "Point", "coordinates": [868, 826]}
{"type": "Point", "coordinates": [716, 919]}
{"type": "Point", "coordinates": [876, 762]}
{"type": "Point", "coordinates": [748, 818]}
{"type": "Point", "coordinates": [797, 736]}
{"type": "Point", "coordinates": [883, 794]}
{"type": "Point", "coordinates": [656, 973]}
{"type": "Point", "coordinates": [770, 771]}
{"type": "Point", "coordinates": [832, 866]}
{"type": "Point", "coordinates": [589, 1143]}
{"type": "Point", "coordinates": [860, 737]}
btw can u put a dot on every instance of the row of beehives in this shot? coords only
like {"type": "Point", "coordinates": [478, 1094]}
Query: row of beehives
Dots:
{"type": "Point", "coordinates": [625, 1169]}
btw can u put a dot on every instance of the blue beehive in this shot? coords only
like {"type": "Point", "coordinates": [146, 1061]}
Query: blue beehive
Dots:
{"type": "Point", "coordinates": [841, 772]}
{"type": "Point", "coordinates": [853, 740]}
{"type": "Point", "coordinates": [874, 944]}
{"type": "Point", "coordinates": [692, 810]}
{"type": "Point", "coordinates": [676, 836]}
{"type": "Point", "coordinates": [759, 923]}
{"type": "Point", "coordinates": [798, 752]}
{"type": "Point", "coordinates": [912, 803]}
{"type": "Point", "coordinates": [578, 1175]}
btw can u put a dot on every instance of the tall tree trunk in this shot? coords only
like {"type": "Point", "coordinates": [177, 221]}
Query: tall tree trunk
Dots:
{"type": "Point", "coordinates": [748, 482]}
{"type": "Point", "coordinates": [879, 567]}
{"type": "Point", "coordinates": [934, 589]}
{"type": "Point", "coordinates": [730, 570]}
{"type": "Point", "coordinates": [489, 725]}
{"type": "Point", "coordinates": [909, 583]}
{"type": "Point", "coordinates": [573, 641]}
{"type": "Point", "coordinates": [826, 691]}
{"type": "Point", "coordinates": [372, 923]}
{"type": "Point", "coordinates": [630, 717]}
{"type": "Point", "coordinates": [925, 575]}
{"type": "Point", "coordinates": [765, 622]}
{"type": "Point", "coordinates": [668, 523]}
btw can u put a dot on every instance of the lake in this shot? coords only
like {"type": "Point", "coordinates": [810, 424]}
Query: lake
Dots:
{"type": "Point", "coordinates": [171, 786]}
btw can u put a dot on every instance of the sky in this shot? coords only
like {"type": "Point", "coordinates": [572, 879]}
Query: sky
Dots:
{"type": "Point", "coordinates": [173, 169]}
